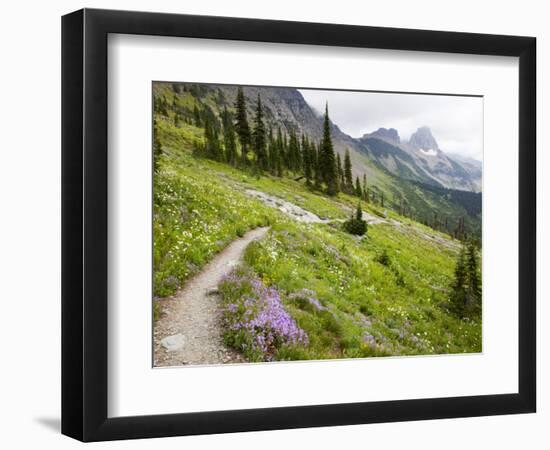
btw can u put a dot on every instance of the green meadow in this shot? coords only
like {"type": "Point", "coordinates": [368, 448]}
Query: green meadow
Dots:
{"type": "Point", "coordinates": [385, 293]}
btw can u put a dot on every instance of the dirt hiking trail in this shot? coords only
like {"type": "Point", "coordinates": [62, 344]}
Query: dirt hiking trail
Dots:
{"type": "Point", "coordinates": [189, 330]}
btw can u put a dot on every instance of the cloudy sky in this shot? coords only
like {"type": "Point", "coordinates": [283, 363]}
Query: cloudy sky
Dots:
{"type": "Point", "coordinates": [456, 122]}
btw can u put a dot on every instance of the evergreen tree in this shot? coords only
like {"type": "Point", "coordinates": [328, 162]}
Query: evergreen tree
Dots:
{"type": "Point", "coordinates": [260, 137]}
{"type": "Point", "coordinates": [197, 116]}
{"type": "Point", "coordinates": [316, 154]}
{"type": "Point", "coordinates": [299, 158]}
{"type": "Point", "coordinates": [348, 182]}
{"type": "Point", "coordinates": [271, 152]}
{"type": "Point", "coordinates": [458, 289]}
{"type": "Point", "coordinates": [473, 287]}
{"type": "Point", "coordinates": [327, 158]}
{"type": "Point", "coordinates": [229, 140]}
{"type": "Point", "coordinates": [358, 212]}
{"type": "Point", "coordinates": [460, 232]}
{"type": "Point", "coordinates": [241, 122]}
{"type": "Point", "coordinates": [306, 157]}
{"type": "Point", "coordinates": [356, 225]}
{"type": "Point", "coordinates": [358, 190]}
{"type": "Point", "coordinates": [161, 106]}
{"type": "Point", "coordinates": [284, 152]}
{"type": "Point", "coordinates": [226, 118]}
{"type": "Point", "coordinates": [340, 171]}
{"type": "Point", "coordinates": [212, 147]}
{"type": "Point", "coordinates": [382, 199]}
{"type": "Point", "coordinates": [465, 295]}
{"type": "Point", "coordinates": [280, 153]}
{"type": "Point", "coordinates": [157, 147]}
{"type": "Point", "coordinates": [365, 188]}
{"type": "Point", "coordinates": [293, 155]}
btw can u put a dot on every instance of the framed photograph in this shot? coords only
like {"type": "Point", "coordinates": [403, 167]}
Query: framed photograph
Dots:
{"type": "Point", "coordinates": [273, 224]}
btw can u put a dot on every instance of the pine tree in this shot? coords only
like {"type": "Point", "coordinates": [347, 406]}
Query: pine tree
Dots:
{"type": "Point", "coordinates": [284, 152]}
{"type": "Point", "coordinates": [340, 171]}
{"type": "Point", "coordinates": [465, 295]}
{"type": "Point", "coordinates": [293, 156]}
{"type": "Point", "coordinates": [356, 225]}
{"type": "Point", "coordinates": [473, 287]}
{"type": "Point", "coordinates": [435, 223]}
{"type": "Point", "coordinates": [307, 157]}
{"type": "Point", "coordinates": [260, 137]}
{"type": "Point", "coordinates": [279, 153]}
{"type": "Point", "coordinates": [157, 147]}
{"type": "Point", "coordinates": [241, 122]}
{"type": "Point", "coordinates": [328, 159]}
{"type": "Point", "coordinates": [460, 233]}
{"type": "Point", "coordinates": [298, 162]}
{"type": "Point", "coordinates": [458, 289]}
{"type": "Point", "coordinates": [212, 147]}
{"type": "Point", "coordinates": [271, 152]}
{"type": "Point", "coordinates": [365, 188]}
{"type": "Point", "coordinates": [316, 153]}
{"type": "Point", "coordinates": [358, 191]}
{"type": "Point", "coordinates": [348, 182]}
{"type": "Point", "coordinates": [197, 116]}
{"type": "Point", "coordinates": [161, 106]}
{"type": "Point", "coordinates": [229, 141]}
{"type": "Point", "coordinates": [382, 199]}
{"type": "Point", "coordinates": [359, 212]}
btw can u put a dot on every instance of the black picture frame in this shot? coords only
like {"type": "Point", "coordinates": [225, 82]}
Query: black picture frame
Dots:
{"type": "Point", "coordinates": [84, 224]}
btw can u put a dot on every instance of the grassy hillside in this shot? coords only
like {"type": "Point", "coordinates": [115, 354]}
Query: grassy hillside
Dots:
{"type": "Point", "coordinates": [323, 292]}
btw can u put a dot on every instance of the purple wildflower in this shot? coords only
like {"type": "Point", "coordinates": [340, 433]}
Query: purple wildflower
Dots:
{"type": "Point", "coordinates": [258, 312]}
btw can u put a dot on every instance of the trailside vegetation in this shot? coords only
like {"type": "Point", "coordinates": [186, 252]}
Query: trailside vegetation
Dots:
{"type": "Point", "coordinates": [306, 290]}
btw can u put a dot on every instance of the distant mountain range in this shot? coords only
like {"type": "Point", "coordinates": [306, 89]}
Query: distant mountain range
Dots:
{"type": "Point", "coordinates": [421, 159]}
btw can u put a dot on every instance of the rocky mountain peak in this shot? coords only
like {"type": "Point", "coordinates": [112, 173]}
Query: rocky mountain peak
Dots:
{"type": "Point", "coordinates": [387, 134]}
{"type": "Point", "coordinates": [423, 139]}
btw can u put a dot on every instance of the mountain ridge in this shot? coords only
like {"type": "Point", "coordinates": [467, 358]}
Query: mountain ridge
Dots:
{"type": "Point", "coordinates": [429, 162]}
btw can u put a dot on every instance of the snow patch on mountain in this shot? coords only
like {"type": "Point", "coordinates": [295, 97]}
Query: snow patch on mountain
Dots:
{"type": "Point", "coordinates": [428, 152]}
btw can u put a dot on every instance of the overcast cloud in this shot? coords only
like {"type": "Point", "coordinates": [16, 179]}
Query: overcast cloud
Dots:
{"type": "Point", "coordinates": [456, 122]}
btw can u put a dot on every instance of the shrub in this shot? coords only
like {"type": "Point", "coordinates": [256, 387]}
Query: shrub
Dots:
{"type": "Point", "coordinates": [356, 225]}
{"type": "Point", "coordinates": [383, 258]}
{"type": "Point", "coordinates": [240, 231]}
